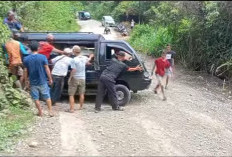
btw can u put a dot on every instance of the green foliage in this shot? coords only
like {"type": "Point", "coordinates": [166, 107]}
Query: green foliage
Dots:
{"type": "Point", "coordinates": [49, 16]}
{"type": "Point", "coordinates": [44, 15]}
{"type": "Point", "coordinates": [126, 7]}
{"type": "Point", "coordinates": [5, 6]}
{"type": "Point", "coordinates": [148, 40]}
{"type": "Point", "coordinates": [13, 123]}
{"type": "Point", "coordinates": [99, 9]}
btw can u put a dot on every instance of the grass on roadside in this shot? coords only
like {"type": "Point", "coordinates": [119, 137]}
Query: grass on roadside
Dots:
{"type": "Point", "coordinates": [12, 126]}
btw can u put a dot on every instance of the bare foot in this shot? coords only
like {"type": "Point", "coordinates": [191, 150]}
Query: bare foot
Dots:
{"type": "Point", "coordinates": [51, 114]}
{"type": "Point", "coordinates": [80, 108]}
{"type": "Point", "coordinates": [70, 111]}
{"type": "Point", "coordinates": [155, 91]}
{"type": "Point", "coordinates": [39, 114]}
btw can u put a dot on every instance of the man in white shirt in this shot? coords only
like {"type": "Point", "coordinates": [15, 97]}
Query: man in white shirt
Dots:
{"type": "Point", "coordinates": [132, 24]}
{"type": "Point", "coordinates": [59, 71]}
{"type": "Point", "coordinates": [170, 57]}
{"type": "Point", "coordinates": [77, 77]}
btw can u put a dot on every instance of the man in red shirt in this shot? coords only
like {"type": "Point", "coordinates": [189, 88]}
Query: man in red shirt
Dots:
{"type": "Point", "coordinates": [46, 48]}
{"type": "Point", "coordinates": [160, 65]}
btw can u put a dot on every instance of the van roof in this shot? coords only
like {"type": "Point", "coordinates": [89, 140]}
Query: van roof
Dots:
{"type": "Point", "coordinates": [71, 36]}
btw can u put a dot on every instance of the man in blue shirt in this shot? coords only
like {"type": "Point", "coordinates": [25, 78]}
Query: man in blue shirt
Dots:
{"type": "Point", "coordinates": [12, 23]}
{"type": "Point", "coordinates": [36, 66]}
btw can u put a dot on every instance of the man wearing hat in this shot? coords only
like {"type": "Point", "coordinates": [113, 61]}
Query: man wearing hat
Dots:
{"type": "Point", "coordinates": [108, 79]}
{"type": "Point", "coordinates": [61, 64]}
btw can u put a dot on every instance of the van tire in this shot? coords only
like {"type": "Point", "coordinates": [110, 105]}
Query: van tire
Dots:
{"type": "Point", "coordinates": [124, 94]}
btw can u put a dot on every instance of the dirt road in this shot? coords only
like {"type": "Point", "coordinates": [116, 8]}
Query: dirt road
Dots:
{"type": "Point", "coordinates": [195, 120]}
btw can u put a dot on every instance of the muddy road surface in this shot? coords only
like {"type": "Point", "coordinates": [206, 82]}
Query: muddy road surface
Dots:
{"type": "Point", "coordinates": [195, 120]}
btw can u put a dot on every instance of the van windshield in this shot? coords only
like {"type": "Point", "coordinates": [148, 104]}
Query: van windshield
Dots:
{"type": "Point", "coordinates": [108, 18]}
{"type": "Point", "coordinates": [87, 14]}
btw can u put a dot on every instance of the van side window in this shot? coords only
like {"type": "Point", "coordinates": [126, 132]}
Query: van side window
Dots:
{"type": "Point", "coordinates": [109, 52]}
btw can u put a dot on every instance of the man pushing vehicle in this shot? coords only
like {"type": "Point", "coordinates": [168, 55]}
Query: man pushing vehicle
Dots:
{"type": "Point", "coordinates": [108, 79]}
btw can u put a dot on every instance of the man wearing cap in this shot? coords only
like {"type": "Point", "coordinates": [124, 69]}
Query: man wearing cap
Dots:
{"type": "Point", "coordinates": [12, 23]}
{"type": "Point", "coordinates": [15, 51]}
{"type": "Point", "coordinates": [59, 71]}
{"type": "Point", "coordinates": [46, 48]}
{"type": "Point", "coordinates": [76, 81]}
{"type": "Point", "coordinates": [108, 79]}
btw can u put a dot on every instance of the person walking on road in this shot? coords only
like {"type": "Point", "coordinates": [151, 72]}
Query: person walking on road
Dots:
{"type": "Point", "coordinates": [170, 57]}
{"type": "Point", "coordinates": [132, 24]}
{"type": "Point", "coordinates": [59, 71]}
{"type": "Point", "coordinates": [76, 80]}
{"type": "Point", "coordinates": [36, 66]}
{"type": "Point", "coordinates": [159, 67]}
{"type": "Point", "coordinates": [108, 79]}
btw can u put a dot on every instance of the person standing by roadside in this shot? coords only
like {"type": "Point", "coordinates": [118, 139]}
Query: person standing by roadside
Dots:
{"type": "Point", "coordinates": [46, 48]}
{"type": "Point", "coordinates": [59, 71]}
{"type": "Point", "coordinates": [15, 52]}
{"type": "Point", "coordinates": [132, 24]}
{"type": "Point", "coordinates": [36, 67]}
{"type": "Point", "coordinates": [108, 79]}
{"type": "Point", "coordinates": [77, 77]}
{"type": "Point", "coordinates": [170, 57]}
{"type": "Point", "coordinates": [12, 23]}
{"type": "Point", "coordinates": [159, 67]}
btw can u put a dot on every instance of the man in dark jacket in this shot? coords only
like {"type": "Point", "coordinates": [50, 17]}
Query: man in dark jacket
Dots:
{"type": "Point", "coordinates": [108, 80]}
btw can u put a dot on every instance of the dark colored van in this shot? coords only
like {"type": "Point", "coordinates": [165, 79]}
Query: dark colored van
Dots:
{"type": "Point", "coordinates": [104, 51]}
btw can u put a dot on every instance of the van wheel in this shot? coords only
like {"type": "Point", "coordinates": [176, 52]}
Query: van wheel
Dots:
{"type": "Point", "coordinates": [123, 94]}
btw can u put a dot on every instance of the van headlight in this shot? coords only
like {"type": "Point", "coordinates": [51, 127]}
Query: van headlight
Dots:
{"type": "Point", "coordinates": [146, 74]}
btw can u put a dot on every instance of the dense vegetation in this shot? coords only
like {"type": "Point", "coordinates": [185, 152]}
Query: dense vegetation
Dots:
{"type": "Point", "coordinates": [35, 16]}
{"type": "Point", "coordinates": [198, 30]}
{"type": "Point", "coordinates": [45, 15]}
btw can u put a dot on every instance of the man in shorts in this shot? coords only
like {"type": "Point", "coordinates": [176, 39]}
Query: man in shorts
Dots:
{"type": "Point", "coordinates": [15, 52]}
{"type": "Point", "coordinates": [160, 65]}
{"type": "Point", "coordinates": [170, 57]}
{"type": "Point", "coordinates": [36, 66]}
{"type": "Point", "coordinates": [76, 80]}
